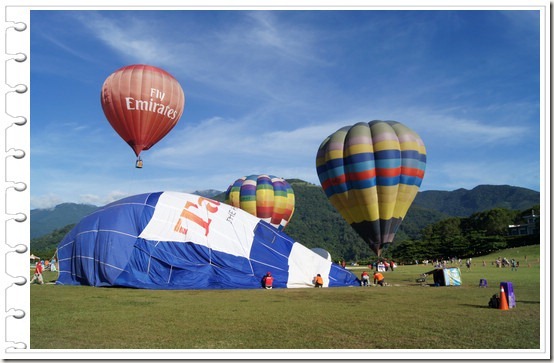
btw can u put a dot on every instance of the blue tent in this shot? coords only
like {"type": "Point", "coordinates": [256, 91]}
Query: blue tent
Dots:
{"type": "Point", "coordinates": [169, 240]}
{"type": "Point", "coordinates": [446, 276]}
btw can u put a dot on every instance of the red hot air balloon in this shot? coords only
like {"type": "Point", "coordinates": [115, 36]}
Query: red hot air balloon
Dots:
{"type": "Point", "coordinates": [142, 103]}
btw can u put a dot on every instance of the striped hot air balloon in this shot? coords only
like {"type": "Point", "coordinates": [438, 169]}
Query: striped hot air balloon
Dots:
{"type": "Point", "coordinates": [264, 196]}
{"type": "Point", "coordinates": [371, 173]}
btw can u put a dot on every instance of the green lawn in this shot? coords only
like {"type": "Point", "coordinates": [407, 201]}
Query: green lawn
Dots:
{"type": "Point", "coordinates": [405, 315]}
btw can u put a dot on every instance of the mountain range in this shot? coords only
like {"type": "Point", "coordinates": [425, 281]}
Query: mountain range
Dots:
{"type": "Point", "coordinates": [463, 202]}
{"type": "Point", "coordinates": [316, 223]}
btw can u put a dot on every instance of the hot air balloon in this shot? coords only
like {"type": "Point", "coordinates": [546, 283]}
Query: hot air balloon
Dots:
{"type": "Point", "coordinates": [170, 240]}
{"type": "Point", "coordinates": [142, 103]}
{"type": "Point", "coordinates": [264, 196]}
{"type": "Point", "coordinates": [371, 173]}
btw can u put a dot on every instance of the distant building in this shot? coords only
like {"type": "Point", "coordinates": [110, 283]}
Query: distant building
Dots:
{"type": "Point", "coordinates": [531, 226]}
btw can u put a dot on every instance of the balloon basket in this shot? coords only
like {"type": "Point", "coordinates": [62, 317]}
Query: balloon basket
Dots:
{"type": "Point", "coordinates": [138, 164]}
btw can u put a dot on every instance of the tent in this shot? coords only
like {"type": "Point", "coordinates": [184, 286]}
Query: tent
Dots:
{"type": "Point", "coordinates": [446, 276]}
{"type": "Point", "coordinates": [170, 240]}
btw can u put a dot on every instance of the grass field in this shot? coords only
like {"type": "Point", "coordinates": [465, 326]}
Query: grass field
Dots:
{"type": "Point", "coordinates": [405, 315]}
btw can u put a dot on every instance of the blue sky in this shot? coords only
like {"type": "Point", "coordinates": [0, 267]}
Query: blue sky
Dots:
{"type": "Point", "coordinates": [264, 88]}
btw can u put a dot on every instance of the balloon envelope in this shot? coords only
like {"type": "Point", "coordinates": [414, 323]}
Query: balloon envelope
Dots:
{"type": "Point", "coordinates": [142, 103]}
{"type": "Point", "coordinates": [264, 196]}
{"type": "Point", "coordinates": [371, 173]}
{"type": "Point", "coordinates": [169, 240]}
{"type": "Point", "coordinates": [322, 252]}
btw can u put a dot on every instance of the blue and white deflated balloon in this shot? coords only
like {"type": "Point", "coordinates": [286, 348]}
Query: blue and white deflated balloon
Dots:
{"type": "Point", "coordinates": [170, 240]}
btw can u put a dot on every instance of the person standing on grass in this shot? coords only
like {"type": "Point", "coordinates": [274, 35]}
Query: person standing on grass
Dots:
{"type": "Point", "coordinates": [38, 274]}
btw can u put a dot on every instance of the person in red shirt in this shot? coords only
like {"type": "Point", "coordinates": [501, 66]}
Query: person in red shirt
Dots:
{"type": "Point", "coordinates": [38, 274]}
{"type": "Point", "coordinates": [267, 281]}
{"type": "Point", "coordinates": [378, 278]}
{"type": "Point", "coordinates": [365, 279]}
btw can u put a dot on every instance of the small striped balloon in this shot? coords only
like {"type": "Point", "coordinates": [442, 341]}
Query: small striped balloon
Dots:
{"type": "Point", "coordinates": [264, 196]}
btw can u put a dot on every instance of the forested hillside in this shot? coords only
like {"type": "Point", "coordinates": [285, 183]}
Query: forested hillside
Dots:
{"type": "Point", "coordinates": [316, 223]}
{"type": "Point", "coordinates": [44, 221]}
{"type": "Point", "coordinates": [463, 202]}
{"type": "Point", "coordinates": [45, 246]}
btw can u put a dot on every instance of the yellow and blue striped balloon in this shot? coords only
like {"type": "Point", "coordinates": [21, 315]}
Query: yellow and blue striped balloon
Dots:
{"type": "Point", "coordinates": [264, 196]}
{"type": "Point", "coordinates": [371, 173]}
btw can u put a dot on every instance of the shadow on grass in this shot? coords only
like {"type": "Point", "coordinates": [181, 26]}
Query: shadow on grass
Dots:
{"type": "Point", "coordinates": [477, 306]}
{"type": "Point", "coordinates": [487, 307]}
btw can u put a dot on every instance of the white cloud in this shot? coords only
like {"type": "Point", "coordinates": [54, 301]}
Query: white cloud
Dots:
{"type": "Point", "coordinates": [60, 44]}
{"type": "Point", "coordinates": [449, 127]}
{"type": "Point", "coordinates": [480, 133]}
{"type": "Point", "coordinates": [231, 57]}
{"type": "Point", "coordinates": [103, 199]}
{"type": "Point", "coordinates": [126, 36]}
{"type": "Point", "coordinates": [452, 175]}
{"type": "Point", "coordinates": [46, 201]}
{"type": "Point", "coordinates": [291, 42]}
{"type": "Point", "coordinates": [223, 144]}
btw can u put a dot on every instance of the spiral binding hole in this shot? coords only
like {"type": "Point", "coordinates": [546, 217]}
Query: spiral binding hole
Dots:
{"type": "Point", "coordinates": [17, 153]}
{"type": "Point", "coordinates": [16, 313]}
{"type": "Point", "coordinates": [21, 88]}
{"type": "Point", "coordinates": [21, 280]}
{"type": "Point", "coordinates": [20, 57]}
{"type": "Point", "coordinates": [21, 121]}
{"type": "Point", "coordinates": [21, 217]}
{"type": "Point", "coordinates": [16, 345]}
{"type": "Point", "coordinates": [20, 27]}
{"type": "Point", "coordinates": [20, 186]}
{"type": "Point", "coordinates": [20, 248]}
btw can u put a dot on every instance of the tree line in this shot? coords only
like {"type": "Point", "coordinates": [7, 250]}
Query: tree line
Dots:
{"type": "Point", "coordinates": [476, 235]}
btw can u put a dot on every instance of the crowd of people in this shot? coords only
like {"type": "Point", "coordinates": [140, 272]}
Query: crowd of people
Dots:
{"type": "Point", "coordinates": [503, 262]}
{"type": "Point", "coordinates": [378, 279]}
{"type": "Point", "coordinates": [442, 263]}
